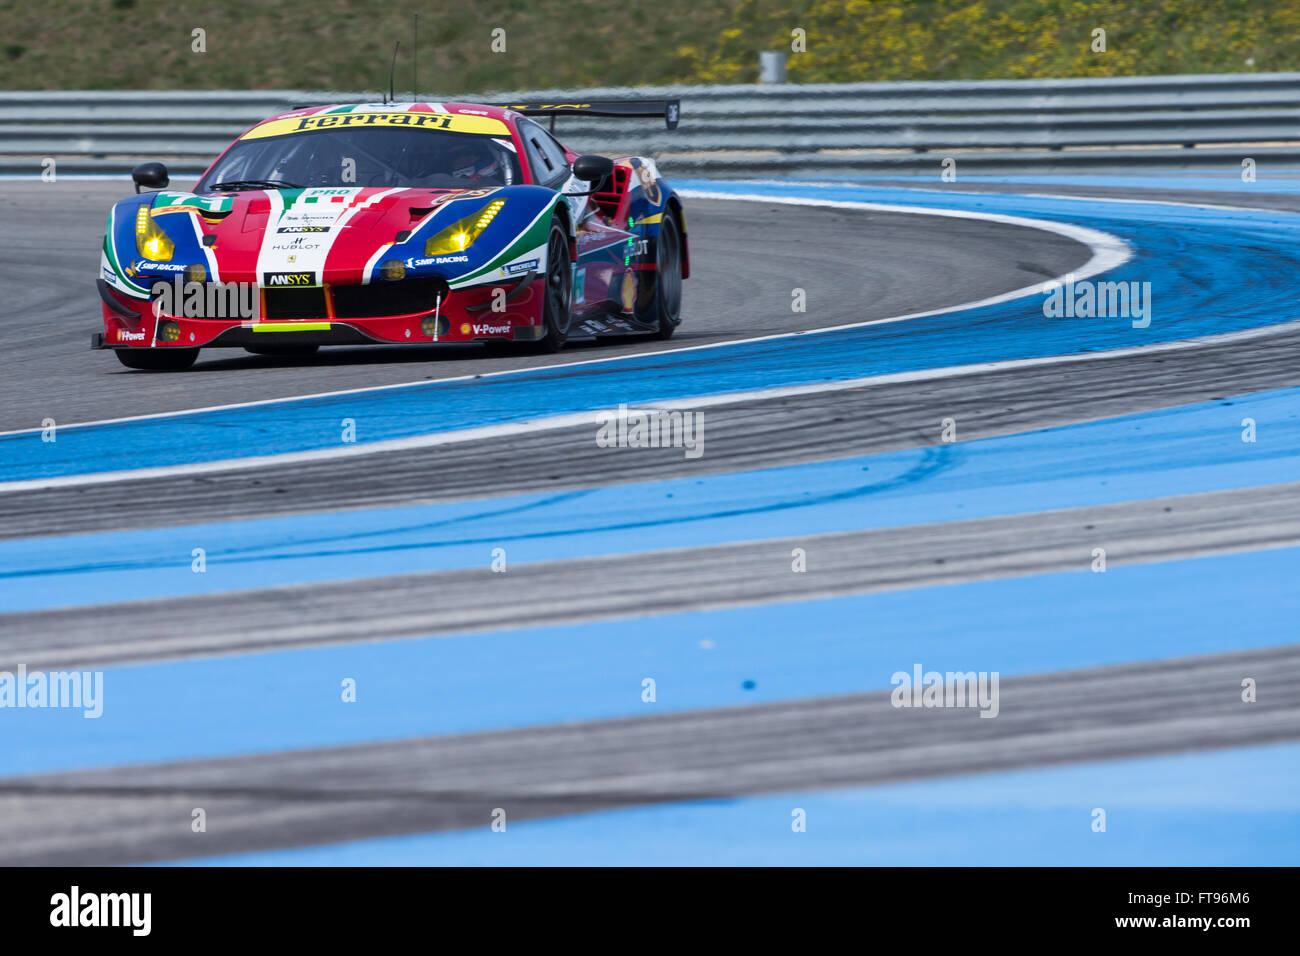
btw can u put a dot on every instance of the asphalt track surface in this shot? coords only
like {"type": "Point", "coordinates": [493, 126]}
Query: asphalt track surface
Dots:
{"type": "Point", "coordinates": [746, 257]}
{"type": "Point", "coordinates": [880, 263]}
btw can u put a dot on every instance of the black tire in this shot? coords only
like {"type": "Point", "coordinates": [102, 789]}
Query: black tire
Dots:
{"type": "Point", "coordinates": [668, 277]}
{"type": "Point", "coordinates": [157, 360]}
{"type": "Point", "coordinates": [556, 314]}
{"type": "Point", "coordinates": [284, 351]}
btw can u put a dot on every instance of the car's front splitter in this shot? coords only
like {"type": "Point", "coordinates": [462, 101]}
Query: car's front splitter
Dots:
{"type": "Point", "coordinates": [471, 315]}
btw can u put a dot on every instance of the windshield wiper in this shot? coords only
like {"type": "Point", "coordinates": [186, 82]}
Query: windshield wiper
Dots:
{"type": "Point", "coordinates": [236, 184]}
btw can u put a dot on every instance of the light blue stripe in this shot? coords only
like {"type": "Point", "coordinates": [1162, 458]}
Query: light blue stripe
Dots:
{"type": "Point", "coordinates": [1174, 451]}
{"type": "Point", "coordinates": [1223, 808]}
{"type": "Point", "coordinates": [1194, 258]}
{"type": "Point", "coordinates": [1268, 181]}
{"type": "Point", "coordinates": [291, 699]}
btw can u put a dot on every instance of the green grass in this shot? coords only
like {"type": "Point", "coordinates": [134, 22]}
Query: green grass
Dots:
{"type": "Point", "coordinates": [272, 44]}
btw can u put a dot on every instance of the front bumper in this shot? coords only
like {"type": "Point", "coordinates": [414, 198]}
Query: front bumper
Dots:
{"type": "Point", "coordinates": [502, 312]}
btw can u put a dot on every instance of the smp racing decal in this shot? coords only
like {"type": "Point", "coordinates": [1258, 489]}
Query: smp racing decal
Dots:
{"type": "Point", "coordinates": [436, 261]}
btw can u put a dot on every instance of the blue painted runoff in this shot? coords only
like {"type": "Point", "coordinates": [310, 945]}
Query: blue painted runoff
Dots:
{"type": "Point", "coordinates": [292, 699]}
{"type": "Point", "coordinates": [1173, 451]}
{"type": "Point", "coordinates": [1218, 808]}
{"type": "Point", "coordinates": [1267, 182]}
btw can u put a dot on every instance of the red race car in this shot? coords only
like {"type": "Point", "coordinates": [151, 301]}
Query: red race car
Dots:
{"type": "Point", "coordinates": [395, 224]}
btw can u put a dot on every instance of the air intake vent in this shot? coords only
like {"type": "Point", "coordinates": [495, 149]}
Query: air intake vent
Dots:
{"type": "Point", "coordinates": [608, 199]}
{"type": "Point", "coordinates": [295, 303]}
{"type": "Point", "coordinates": [387, 298]}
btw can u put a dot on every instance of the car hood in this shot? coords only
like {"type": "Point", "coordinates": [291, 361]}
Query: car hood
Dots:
{"type": "Point", "coordinates": [335, 235]}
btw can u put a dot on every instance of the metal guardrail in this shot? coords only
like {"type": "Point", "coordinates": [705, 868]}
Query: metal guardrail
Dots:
{"type": "Point", "coordinates": [747, 130]}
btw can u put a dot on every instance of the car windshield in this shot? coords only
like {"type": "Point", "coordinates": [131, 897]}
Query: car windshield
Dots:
{"type": "Point", "coordinates": [380, 156]}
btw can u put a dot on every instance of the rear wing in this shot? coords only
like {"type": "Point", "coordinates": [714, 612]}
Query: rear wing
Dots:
{"type": "Point", "coordinates": [670, 110]}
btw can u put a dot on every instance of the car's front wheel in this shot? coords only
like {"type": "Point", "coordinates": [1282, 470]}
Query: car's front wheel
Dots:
{"type": "Point", "coordinates": [559, 284]}
{"type": "Point", "coordinates": [157, 360]}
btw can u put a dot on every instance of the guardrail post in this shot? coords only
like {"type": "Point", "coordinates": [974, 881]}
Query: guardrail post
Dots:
{"type": "Point", "coordinates": [771, 66]}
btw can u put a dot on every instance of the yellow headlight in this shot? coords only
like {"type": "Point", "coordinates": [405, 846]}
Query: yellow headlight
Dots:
{"type": "Point", "coordinates": [150, 240]}
{"type": "Point", "coordinates": [460, 235]}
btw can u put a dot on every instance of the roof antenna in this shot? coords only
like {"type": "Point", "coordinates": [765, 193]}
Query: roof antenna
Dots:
{"type": "Point", "coordinates": [392, 72]}
{"type": "Point", "coordinates": [415, 58]}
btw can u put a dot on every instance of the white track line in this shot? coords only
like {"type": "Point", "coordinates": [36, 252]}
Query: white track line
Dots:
{"type": "Point", "coordinates": [1107, 252]}
{"type": "Point", "coordinates": [591, 418]}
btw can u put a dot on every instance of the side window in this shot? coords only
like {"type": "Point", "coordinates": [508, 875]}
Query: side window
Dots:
{"type": "Point", "coordinates": [545, 156]}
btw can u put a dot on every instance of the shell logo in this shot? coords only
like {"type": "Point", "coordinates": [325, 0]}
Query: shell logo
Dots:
{"type": "Point", "coordinates": [464, 328]}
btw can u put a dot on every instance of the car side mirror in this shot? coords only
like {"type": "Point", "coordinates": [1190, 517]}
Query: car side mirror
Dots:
{"type": "Point", "coordinates": [150, 176]}
{"type": "Point", "coordinates": [593, 169]}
